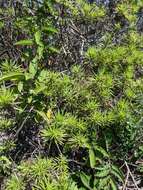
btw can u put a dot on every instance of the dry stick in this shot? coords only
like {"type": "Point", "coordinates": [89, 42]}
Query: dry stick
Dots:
{"type": "Point", "coordinates": [131, 175]}
{"type": "Point", "coordinates": [126, 181]}
{"type": "Point", "coordinates": [64, 50]}
{"type": "Point", "coordinates": [82, 46]}
{"type": "Point", "coordinates": [73, 26]}
{"type": "Point", "coordinates": [79, 163]}
{"type": "Point", "coordinates": [24, 121]}
{"type": "Point", "coordinates": [58, 147]}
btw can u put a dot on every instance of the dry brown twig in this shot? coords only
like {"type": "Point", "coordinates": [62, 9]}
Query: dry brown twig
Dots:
{"type": "Point", "coordinates": [129, 173]}
{"type": "Point", "coordinates": [24, 121]}
{"type": "Point", "coordinates": [126, 181]}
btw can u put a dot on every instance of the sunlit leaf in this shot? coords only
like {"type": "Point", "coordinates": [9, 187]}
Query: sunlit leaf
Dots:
{"type": "Point", "coordinates": [92, 158]}
{"type": "Point", "coordinates": [12, 76]}
{"type": "Point", "coordinates": [85, 180]}
{"type": "Point", "coordinates": [49, 29]}
{"type": "Point", "coordinates": [24, 42]}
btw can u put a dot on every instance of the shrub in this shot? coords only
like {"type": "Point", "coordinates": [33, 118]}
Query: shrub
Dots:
{"type": "Point", "coordinates": [71, 94]}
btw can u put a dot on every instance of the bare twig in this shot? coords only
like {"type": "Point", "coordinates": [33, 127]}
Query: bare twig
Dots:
{"type": "Point", "coordinates": [130, 173]}
{"type": "Point", "coordinates": [24, 121]}
{"type": "Point", "coordinates": [79, 163]}
{"type": "Point", "coordinates": [126, 180]}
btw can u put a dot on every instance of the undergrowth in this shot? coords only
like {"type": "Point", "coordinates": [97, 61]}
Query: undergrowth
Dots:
{"type": "Point", "coordinates": [70, 109]}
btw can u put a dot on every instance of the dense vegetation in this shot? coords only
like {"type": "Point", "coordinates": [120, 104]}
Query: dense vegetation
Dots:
{"type": "Point", "coordinates": [71, 94]}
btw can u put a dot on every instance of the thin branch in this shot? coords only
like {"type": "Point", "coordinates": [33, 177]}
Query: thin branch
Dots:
{"type": "Point", "coordinates": [24, 121]}
{"type": "Point", "coordinates": [130, 173]}
{"type": "Point", "coordinates": [126, 180]}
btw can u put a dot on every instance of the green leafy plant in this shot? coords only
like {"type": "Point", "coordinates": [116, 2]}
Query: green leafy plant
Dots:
{"type": "Point", "coordinates": [15, 183]}
{"type": "Point", "coordinates": [70, 94]}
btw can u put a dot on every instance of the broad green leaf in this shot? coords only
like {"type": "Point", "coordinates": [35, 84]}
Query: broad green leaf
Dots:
{"type": "Point", "coordinates": [53, 49]}
{"type": "Point", "coordinates": [113, 185]}
{"type": "Point", "coordinates": [73, 186]}
{"type": "Point", "coordinates": [43, 75]}
{"type": "Point", "coordinates": [12, 76]}
{"type": "Point", "coordinates": [85, 180]}
{"type": "Point", "coordinates": [105, 167]}
{"type": "Point", "coordinates": [117, 170]}
{"type": "Point", "coordinates": [38, 38]}
{"type": "Point", "coordinates": [95, 182]}
{"type": "Point", "coordinates": [104, 182]}
{"type": "Point", "coordinates": [28, 76]}
{"type": "Point", "coordinates": [101, 150]}
{"type": "Point", "coordinates": [1, 24]}
{"type": "Point", "coordinates": [92, 158]}
{"type": "Point", "coordinates": [33, 68]}
{"type": "Point", "coordinates": [49, 29]}
{"type": "Point", "coordinates": [20, 86]}
{"type": "Point", "coordinates": [39, 90]}
{"type": "Point", "coordinates": [40, 51]}
{"type": "Point", "coordinates": [103, 173]}
{"type": "Point", "coordinates": [24, 42]}
{"type": "Point", "coordinates": [117, 175]}
{"type": "Point", "coordinates": [30, 98]}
